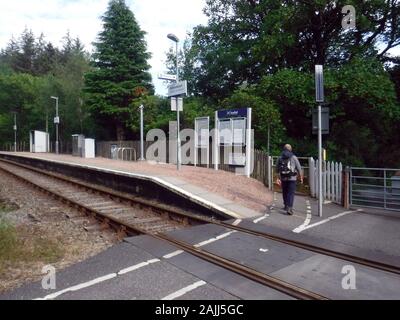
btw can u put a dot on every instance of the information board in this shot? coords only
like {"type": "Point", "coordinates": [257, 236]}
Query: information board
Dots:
{"type": "Point", "coordinates": [239, 131]}
{"type": "Point", "coordinates": [225, 132]}
{"type": "Point", "coordinates": [202, 127]}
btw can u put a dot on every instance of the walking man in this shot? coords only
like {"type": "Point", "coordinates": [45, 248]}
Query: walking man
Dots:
{"type": "Point", "coordinates": [288, 168]}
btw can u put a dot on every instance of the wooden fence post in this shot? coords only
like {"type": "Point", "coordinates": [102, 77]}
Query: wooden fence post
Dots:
{"type": "Point", "coordinates": [346, 188]}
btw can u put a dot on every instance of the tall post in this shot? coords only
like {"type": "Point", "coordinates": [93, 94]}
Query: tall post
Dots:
{"type": "Point", "coordinates": [320, 196]}
{"type": "Point", "coordinates": [15, 132]}
{"type": "Point", "coordinates": [141, 134]}
{"type": "Point", "coordinates": [268, 142]}
{"type": "Point", "coordinates": [56, 122]}
{"type": "Point", "coordinates": [319, 98]}
{"type": "Point", "coordinates": [178, 140]}
{"type": "Point", "coordinates": [216, 142]}
{"type": "Point", "coordinates": [57, 142]}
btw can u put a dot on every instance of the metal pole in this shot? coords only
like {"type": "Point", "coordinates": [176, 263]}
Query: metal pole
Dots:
{"type": "Point", "coordinates": [15, 132]}
{"type": "Point", "coordinates": [268, 139]}
{"type": "Point", "coordinates": [320, 199]}
{"type": "Point", "coordinates": [178, 140]}
{"type": "Point", "coordinates": [141, 134]}
{"type": "Point", "coordinates": [57, 143]}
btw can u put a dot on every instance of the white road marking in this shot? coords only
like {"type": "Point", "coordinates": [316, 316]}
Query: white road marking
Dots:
{"type": "Point", "coordinates": [97, 280]}
{"type": "Point", "coordinates": [172, 254]}
{"type": "Point", "coordinates": [329, 219]}
{"type": "Point", "coordinates": [236, 222]}
{"type": "Point", "coordinates": [183, 291]}
{"type": "Point", "coordinates": [224, 235]}
{"type": "Point", "coordinates": [79, 286]}
{"type": "Point", "coordinates": [201, 244]}
{"type": "Point", "coordinates": [263, 250]}
{"type": "Point", "coordinates": [261, 218]}
{"type": "Point", "coordinates": [307, 221]}
{"type": "Point", "coordinates": [137, 266]}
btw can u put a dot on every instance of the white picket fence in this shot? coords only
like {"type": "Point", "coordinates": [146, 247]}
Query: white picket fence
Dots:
{"type": "Point", "coordinates": [331, 180]}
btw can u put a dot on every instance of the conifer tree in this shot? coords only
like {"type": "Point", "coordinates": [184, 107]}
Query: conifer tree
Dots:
{"type": "Point", "coordinates": [120, 69]}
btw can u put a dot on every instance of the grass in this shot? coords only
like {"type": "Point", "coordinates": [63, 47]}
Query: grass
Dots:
{"type": "Point", "coordinates": [18, 245]}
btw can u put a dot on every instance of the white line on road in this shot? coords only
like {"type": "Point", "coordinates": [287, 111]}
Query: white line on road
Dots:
{"type": "Point", "coordinates": [137, 266]}
{"type": "Point", "coordinates": [79, 286]}
{"type": "Point", "coordinates": [329, 219]}
{"type": "Point", "coordinates": [236, 222]}
{"type": "Point", "coordinates": [97, 280]}
{"type": "Point", "coordinates": [183, 291]}
{"type": "Point", "coordinates": [261, 218]}
{"type": "Point", "coordinates": [172, 254]}
{"type": "Point", "coordinates": [224, 235]}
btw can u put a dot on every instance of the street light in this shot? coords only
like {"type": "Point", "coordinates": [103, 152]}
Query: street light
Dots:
{"type": "Point", "coordinates": [175, 39]}
{"type": "Point", "coordinates": [56, 121]}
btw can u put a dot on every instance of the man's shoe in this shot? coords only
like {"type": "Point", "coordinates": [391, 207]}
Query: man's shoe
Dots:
{"type": "Point", "coordinates": [290, 211]}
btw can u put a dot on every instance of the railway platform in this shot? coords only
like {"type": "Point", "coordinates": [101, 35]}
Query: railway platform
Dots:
{"type": "Point", "coordinates": [231, 195]}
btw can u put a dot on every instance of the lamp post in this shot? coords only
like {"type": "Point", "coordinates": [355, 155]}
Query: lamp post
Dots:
{"type": "Point", "coordinates": [141, 134]}
{"type": "Point", "coordinates": [175, 39]}
{"type": "Point", "coordinates": [56, 121]}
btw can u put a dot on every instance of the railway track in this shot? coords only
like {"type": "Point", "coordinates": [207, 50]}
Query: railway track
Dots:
{"type": "Point", "coordinates": [126, 225]}
{"type": "Point", "coordinates": [125, 221]}
{"type": "Point", "coordinates": [187, 218]}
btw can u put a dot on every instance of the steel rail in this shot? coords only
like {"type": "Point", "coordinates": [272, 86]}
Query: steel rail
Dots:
{"type": "Point", "coordinates": [123, 227]}
{"type": "Point", "coordinates": [189, 217]}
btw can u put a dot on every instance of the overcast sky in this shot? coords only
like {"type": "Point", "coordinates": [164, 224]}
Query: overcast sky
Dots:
{"type": "Point", "coordinates": [82, 18]}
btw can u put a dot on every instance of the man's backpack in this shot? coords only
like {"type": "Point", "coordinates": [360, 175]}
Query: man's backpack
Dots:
{"type": "Point", "coordinates": [285, 168]}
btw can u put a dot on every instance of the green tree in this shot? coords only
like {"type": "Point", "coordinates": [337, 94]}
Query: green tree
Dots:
{"type": "Point", "coordinates": [246, 40]}
{"type": "Point", "coordinates": [120, 72]}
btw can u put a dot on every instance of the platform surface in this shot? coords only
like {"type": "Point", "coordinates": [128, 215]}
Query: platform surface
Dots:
{"type": "Point", "coordinates": [234, 195]}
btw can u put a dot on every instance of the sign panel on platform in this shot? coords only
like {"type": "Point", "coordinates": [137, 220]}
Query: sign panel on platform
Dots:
{"type": "Point", "coordinates": [175, 102]}
{"type": "Point", "coordinates": [324, 120]}
{"type": "Point", "coordinates": [202, 126]}
{"type": "Point", "coordinates": [239, 131]}
{"type": "Point", "coordinates": [177, 89]}
{"type": "Point", "coordinates": [168, 77]}
{"type": "Point", "coordinates": [225, 132]}
{"type": "Point", "coordinates": [235, 113]}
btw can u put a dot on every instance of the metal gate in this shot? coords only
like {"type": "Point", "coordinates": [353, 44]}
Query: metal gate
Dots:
{"type": "Point", "coordinates": [375, 188]}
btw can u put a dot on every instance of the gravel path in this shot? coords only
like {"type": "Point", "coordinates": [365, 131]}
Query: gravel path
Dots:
{"type": "Point", "coordinates": [239, 189]}
{"type": "Point", "coordinates": [41, 217]}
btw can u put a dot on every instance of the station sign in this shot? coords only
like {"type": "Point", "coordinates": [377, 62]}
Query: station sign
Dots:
{"type": "Point", "coordinates": [177, 89]}
{"type": "Point", "coordinates": [176, 102]}
{"type": "Point", "coordinates": [168, 77]}
{"type": "Point", "coordinates": [235, 113]}
{"type": "Point", "coordinates": [324, 120]}
{"type": "Point", "coordinates": [319, 83]}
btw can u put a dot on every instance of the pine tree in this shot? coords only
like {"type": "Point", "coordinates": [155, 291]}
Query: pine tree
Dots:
{"type": "Point", "coordinates": [28, 52]}
{"type": "Point", "coordinates": [120, 69]}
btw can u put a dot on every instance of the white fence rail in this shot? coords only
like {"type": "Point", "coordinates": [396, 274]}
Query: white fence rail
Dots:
{"type": "Point", "coordinates": [331, 180]}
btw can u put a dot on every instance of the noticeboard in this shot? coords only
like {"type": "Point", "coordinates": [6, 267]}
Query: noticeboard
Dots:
{"type": "Point", "coordinates": [202, 126]}
{"type": "Point", "coordinates": [225, 132]}
{"type": "Point", "coordinates": [239, 131]}
{"type": "Point", "coordinates": [324, 120]}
